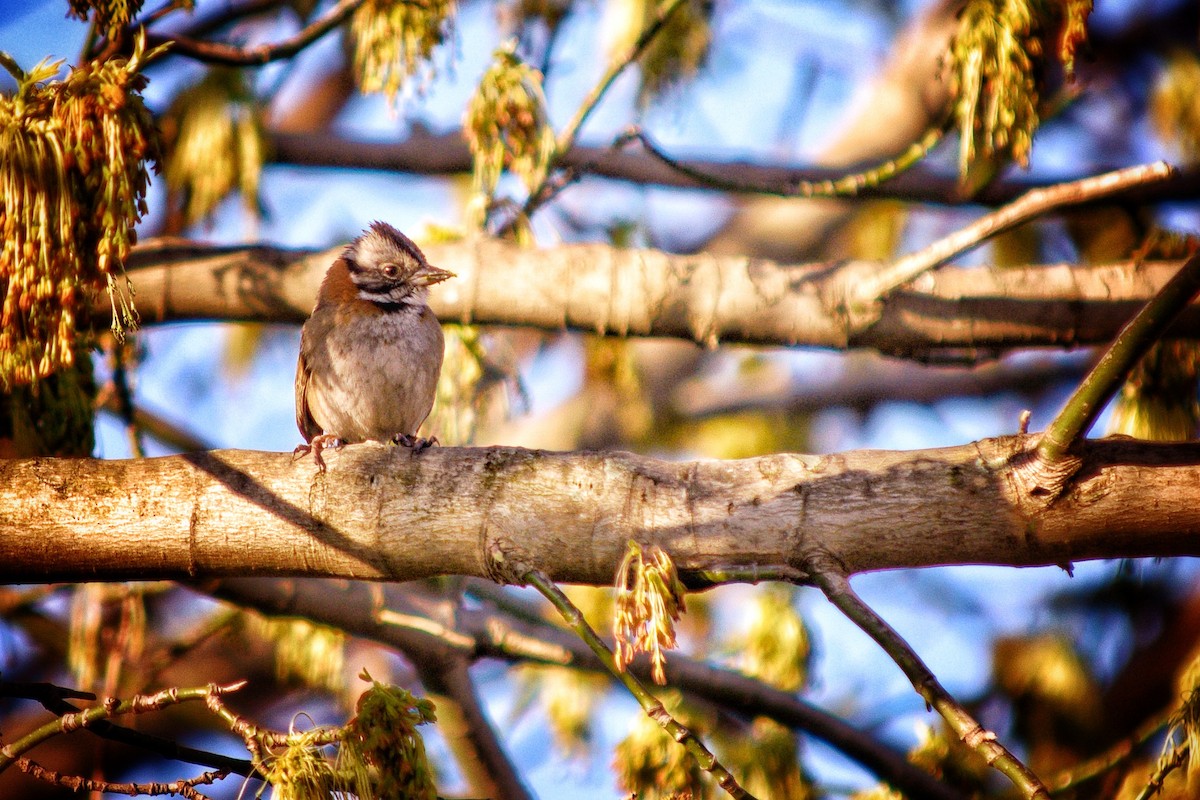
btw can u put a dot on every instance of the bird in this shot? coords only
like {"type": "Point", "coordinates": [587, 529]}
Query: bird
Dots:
{"type": "Point", "coordinates": [371, 351]}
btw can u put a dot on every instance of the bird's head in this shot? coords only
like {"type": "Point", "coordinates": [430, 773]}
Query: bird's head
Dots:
{"type": "Point", "coordinates": [387, 267]}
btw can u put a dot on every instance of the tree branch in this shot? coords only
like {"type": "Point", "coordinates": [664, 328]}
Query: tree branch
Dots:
{"type": "Point", "coordinates": [447, 154]}
{"type": "Point", "coordinates": [234, 56]}
{"type": "Point", "coordinates": [415, 620]}
{"type": "Point", "coordinates": [834, 583]}
{"type": "Point", "coordinates": [955, 313]}
{"type": "Point", "coordinates": [1027, 207]}
{"type": "Point", "coordinates": [382, 512]}
{"type": "Point", "coordinates": [649, 703]}
{"type": "Point", "coordinates": [1090, 397]}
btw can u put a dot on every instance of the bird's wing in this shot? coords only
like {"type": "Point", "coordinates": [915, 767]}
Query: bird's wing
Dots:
{"type": "Point", "coordinates": [304, 419]}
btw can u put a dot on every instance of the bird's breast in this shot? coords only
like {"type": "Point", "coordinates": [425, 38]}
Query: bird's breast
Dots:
{"type": "Point", "coordinates": [374, 375]}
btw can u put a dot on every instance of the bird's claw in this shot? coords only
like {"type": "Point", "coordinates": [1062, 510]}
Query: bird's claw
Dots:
{"type": "Point", "coordinates": [315, 446]}
{"type": "Point", "coordinates": [415, 443]}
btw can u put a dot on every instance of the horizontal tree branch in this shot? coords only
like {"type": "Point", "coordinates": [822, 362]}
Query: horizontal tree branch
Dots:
{"type": "Point", "coordinates": [447, 154]}
{"type": "Point", "coordinates": [383, 512]}
{"type": "Point", "coordinates": [958, 312]}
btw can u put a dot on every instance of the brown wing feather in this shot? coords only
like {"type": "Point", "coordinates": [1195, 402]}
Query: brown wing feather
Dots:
{"type": "Point", "coordinates": [304, 420]}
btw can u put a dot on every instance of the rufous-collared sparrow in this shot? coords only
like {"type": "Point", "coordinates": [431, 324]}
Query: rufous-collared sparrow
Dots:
{"type": "Point", "coordinates": [371, 352]}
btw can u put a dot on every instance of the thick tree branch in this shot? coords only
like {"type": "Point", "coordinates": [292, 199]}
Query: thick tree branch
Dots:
{"type": "Point", "coordinates": [955, 312]}
{"type": "Point", "coordinates": [382, 512]}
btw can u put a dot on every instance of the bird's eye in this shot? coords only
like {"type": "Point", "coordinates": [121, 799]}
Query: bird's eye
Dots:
{"type": "Point", "coordinates": [390, 271]}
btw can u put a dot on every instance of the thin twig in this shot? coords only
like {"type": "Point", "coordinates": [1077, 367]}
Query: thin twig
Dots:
{"type": "Point", "coordinates": [649, 703]}
{"type": "Point", "coordinates": [53, 699]}
{"type": "Point", "coordinates": [1138, 335]}
{"type": "Point", "coordinates": [1163, 769]}
{"type": "Point", "coordinates": [511, 628]}
{"type": "Point", "coordinates": [138, 704]}
{"type": "Point", "coordinates": [568, 135]}
{"type": "Point", "coordinates": [184, 787]}
{"type": "Point", "coordinates": [232, 55]}
{"type": "Point", "coordinates": [1030, 205]}
{"type": "Point", "coordinates": [836, 586]}
{"type": "Point", "coordinates": [1112, 758]}
{"type": "Point", "coordinates": [848, 185]}
{"type": "Point", "coordinates": [566, 138]}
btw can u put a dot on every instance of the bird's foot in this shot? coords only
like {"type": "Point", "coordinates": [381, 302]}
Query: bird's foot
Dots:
{"type": "Point", "coordinates": [415, 443]}
{"type": "Point", "coordinates": [318, 443]}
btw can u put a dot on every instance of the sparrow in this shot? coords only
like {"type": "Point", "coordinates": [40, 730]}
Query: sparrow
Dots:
{"type": "Point", "coordinates": [371, 352]}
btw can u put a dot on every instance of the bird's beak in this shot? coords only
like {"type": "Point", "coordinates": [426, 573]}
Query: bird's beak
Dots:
{"type": "Point", "coordinates": [429, 275]}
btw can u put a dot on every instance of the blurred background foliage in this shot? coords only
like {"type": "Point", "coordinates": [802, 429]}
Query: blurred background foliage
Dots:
{"type": "Point", "coordinates": [1065, 669]}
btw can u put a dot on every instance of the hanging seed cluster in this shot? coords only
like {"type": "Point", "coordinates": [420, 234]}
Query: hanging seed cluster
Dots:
{"type": "Point", "coordinates": [993, 61]}
{"type": "Point", "coordinates": [73, 179]}
{"type": "Point", "coordinates": [650, 600]}
{"type": "Point", "coordinates": [997, 61]}
{"type": "Point", "coordinates": [217, 144]}
{"type": "Point", "coordinates": [1175, 107]}
{"type": "Point", "coordinates": [506, 125]}
{"type": "Point", "coordinates": [112, 16]}
{"type": "Point", "coordinates": [679, 50]}
{"type": "Point", "coordinates": [383, 736]}
{"type": "Point", "coordinates": [394, 39]}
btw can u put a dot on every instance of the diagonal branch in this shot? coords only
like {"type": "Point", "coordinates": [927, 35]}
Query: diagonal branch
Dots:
{"type": "Point", "coordinates": [1029, 206]}
{"type": "Point", "coordinates": [827, 575]}
{"type": "Point", "coordinates": [232, 55]}
{"type": "Point", "coordinates": [567, 138]}
{"type": "Point", "coordinates": [1089, 399]}
{"type": "Point", "coordinates": [649, 703]}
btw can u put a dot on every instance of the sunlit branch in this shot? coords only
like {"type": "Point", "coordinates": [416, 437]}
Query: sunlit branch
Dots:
{"type": "Point", "coordinates": [958, 314]}
{"type": "Point", "coordinates": [1033, 204]}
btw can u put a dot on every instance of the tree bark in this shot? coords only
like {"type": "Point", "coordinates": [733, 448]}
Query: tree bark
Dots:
{"type": "Point", "coordinates": [953, 312]}
{"type": "Point", "coordinates": [383, 512]}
